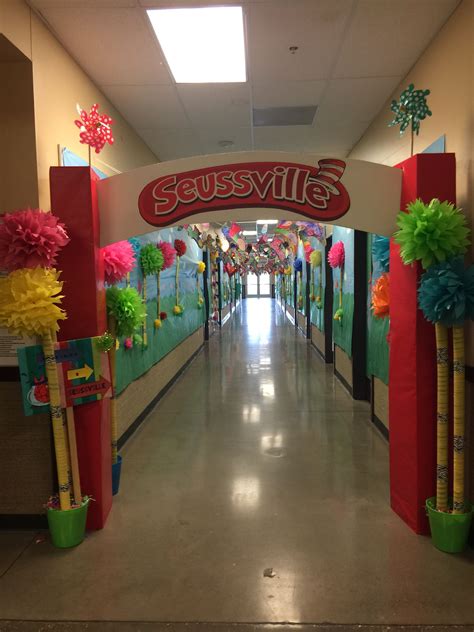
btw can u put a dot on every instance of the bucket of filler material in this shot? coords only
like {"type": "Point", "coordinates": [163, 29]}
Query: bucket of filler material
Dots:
{"type": "Point", "coordinates": [116, 470]}
{"type": "Point", "coordinates": [68, 527]}
{"type": "Point", "coordinates": [449, 531]}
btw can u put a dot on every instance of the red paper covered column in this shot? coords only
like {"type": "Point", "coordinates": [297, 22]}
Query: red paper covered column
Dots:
{"type": "Point", "coordinates": [74, 201]}
{"type": "Point", "coordinates": [412, 392]}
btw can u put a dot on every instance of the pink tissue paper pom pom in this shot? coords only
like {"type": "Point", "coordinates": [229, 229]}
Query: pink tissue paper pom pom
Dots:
{"type": "Point", "coordinates": [336, 255]}
{"type": "Point", "coordinates": [307, 254]}
{"type": "Point", "coordinates": [119, 260]}
{"type": "Point", "coordinates": [169, 254]}
{"type": "Point", "coordinates": [30, 238]}
{"type": "Point", "coordinates": [128, 343]}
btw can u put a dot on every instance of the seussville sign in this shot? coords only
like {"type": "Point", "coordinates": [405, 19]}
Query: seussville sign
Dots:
{"type": "Point", "coordinates": [315, 192]}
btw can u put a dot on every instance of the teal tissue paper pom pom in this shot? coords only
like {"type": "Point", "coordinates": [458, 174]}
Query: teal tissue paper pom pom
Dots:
{"type": "Point", "coordinates": [381, 251]}
{"type": "Point", "coordinates": [446, 293]}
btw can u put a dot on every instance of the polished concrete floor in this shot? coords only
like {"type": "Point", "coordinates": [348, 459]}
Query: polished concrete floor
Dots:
{"type": "Point", "coordinates": [256, 492]}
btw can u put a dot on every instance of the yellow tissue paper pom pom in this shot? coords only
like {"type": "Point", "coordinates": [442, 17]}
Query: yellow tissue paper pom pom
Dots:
{"type": "Point", "coordinates": [178, 310]}
{"type": "Point", "coordinates": [158, 323]}
{"type": "Point", "coordinates": [315, 258]}
{"type": "Point", "coordinates": [201, 266]}
{"type": "Point", "coordinates": [29, 301]}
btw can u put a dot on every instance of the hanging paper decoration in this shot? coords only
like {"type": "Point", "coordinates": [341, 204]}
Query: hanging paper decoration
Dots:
{"type": "Point", "coordinates": [381, 297]}
{"type": "Point", "coordinates": [431, 233]}
{"type": "Point", "coordinates": [119, 261]}
{"type": "Point", "coordinates": [95, 129]}
{"type": "Point", "coordinates": [381, 252]}
{"type": "Point", "coordinates": [30, 238]}
{"type": "Point", "coordinates": [180, 248]}
{"type": "Point", "coordinates": [336, 258]}
{"type": "Point", "coordinates": [151, 262]}
{"type": "Point", "coordinates": [411, 108]}
{"type": "Point", "coordinates": [128, 343]}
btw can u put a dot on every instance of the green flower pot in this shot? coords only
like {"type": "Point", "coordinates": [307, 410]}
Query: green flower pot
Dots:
{"type": "Point", "coordinates": [449, 532]}
{"type": "Point", "coordinates": [67, 528]}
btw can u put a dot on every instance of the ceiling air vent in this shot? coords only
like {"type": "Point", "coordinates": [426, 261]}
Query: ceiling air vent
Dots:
{"type": "Point", "coordinates": [298, 115]}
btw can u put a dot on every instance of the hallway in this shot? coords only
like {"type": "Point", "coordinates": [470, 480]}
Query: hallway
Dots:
{"type": "Point", "coordinates": [256, 491]}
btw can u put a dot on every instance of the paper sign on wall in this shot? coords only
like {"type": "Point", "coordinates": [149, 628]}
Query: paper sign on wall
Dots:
{"type": "Point", "coordinates": [83, 370]}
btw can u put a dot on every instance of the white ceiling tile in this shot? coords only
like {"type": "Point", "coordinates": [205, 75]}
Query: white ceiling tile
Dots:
{"type": "Point", "coordinates": [209, 139]}
{"type": "Point", "coordinates": [81, 4]}
{"type": "Point", "coordinates": [281, 138]}
{"type": "Point", "coordinates": [287, 93]}
{"type": "Point", "coordinates": [315, 27]}
{"type": "Point", "coordinates": [172, 144]}
{"type": "Point", "coordinates": [216, 104]}
{"type": "Point", "coordinates": [355, 99]}
{"type": "Point", "coordinates": [112, 46]}
{"type": "Point", "coordinates": [387, 37]}
{"type": "Point", "coordinates": [338, 134]}
{"type": "Point", "coordinates": [148, 106]}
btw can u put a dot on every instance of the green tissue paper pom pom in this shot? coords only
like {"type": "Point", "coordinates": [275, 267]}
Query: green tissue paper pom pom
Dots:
{"type": "Point", "coordinates": [151, 259]}
{"type": "Point", "coordinates": [446, 293]}
{"type": "Point", "coordinates": [431, 233]}
{"type": "Point", "coordinates": [126, 306]}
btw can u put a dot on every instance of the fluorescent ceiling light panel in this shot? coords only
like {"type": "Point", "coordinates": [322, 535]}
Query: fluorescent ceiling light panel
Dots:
{"type": "Point", "coordinates": [267, 221]}
{"type": "Point", "coordinates": [202, 45]}
{"type": "Point", "coordinates": [248, 233]}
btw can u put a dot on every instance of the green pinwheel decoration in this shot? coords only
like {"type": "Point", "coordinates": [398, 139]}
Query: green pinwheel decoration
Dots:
{"type": "Point", "coordinates": [410, 109]}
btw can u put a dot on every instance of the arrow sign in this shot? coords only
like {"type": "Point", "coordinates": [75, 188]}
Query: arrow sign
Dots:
{"type": "Point", "coordinates": [66, 355]}
{"type": "Point", "coordinates": [90, 388]}
{"type": "Point", "coordinates": [84, 372]}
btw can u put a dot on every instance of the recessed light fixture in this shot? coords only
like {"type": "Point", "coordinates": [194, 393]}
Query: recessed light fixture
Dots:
{"type": "Point", "coordinates": [267, 221]}
{"type": "Point", "coordinates": [202, 45]}
{"type": "Point", "coordinates": [249, 233]}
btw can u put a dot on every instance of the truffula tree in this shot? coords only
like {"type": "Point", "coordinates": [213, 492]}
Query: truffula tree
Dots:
{"type": "Point", "coordinates": [434, 234]}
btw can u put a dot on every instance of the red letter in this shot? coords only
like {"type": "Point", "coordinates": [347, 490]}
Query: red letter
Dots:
{"type": "Point", "coordinates": [224, 188]}
{"type": "Point", "coordinates": [243, 188]}
{"type": "Point", "coordinates": [165, 201]}
{"type": "Point", "coordinates": [186, 191]}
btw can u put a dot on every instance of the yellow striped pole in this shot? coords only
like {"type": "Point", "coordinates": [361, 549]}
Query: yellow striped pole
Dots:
{"type": "Point", "coordinates": [459, 422]}
{"type": "Point", "coordinates": [442, 417]}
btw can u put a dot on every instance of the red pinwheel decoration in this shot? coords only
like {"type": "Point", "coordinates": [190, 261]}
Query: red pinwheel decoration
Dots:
{"type": "Point", "coordinates": [95, 129]}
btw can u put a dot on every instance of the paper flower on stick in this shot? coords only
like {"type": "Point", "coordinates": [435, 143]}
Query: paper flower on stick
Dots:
{"type": "Point", "coordinates": [381, 297]}
{"type": "Point", "coordinates": [336, 255]}
{"type": "Point", "coordinates": [168, 252]}
{"type": "Point", "coordinates": [381, 252]}
{"type": "Point", "coordinates": [298, 265]}
{"type": "Point", "coordinates": [446, 293]}
{"type": "Point", "coordinates": [180, 247]}
{"type": "Point", "coordinates": [119, 260]}
{"type": "Point", "coordinates": [95, 129]}
{"type": "Point", "coordinates": [201, 266]}
{"type": "Point", "coordinates": [151, 259]}
{"type": "Point", "coordinates": [126, 307]}
{"type": "Point", "coordinates": [411, 108]}
{"type": "Point", "coordinates": [315, 258]}
{"type": "Point", "coordinates": [178, 310]}
{"type": "Point", "coordinates": [30, 238]}
{"type": "Point", "coordinates": [30, 302]}
{"type": "Point", "coordinates": [431, 233]}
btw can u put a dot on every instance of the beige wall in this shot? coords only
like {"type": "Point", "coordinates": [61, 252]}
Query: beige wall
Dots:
{"type": "Point", "coordinates": [17, 130]}
{"type": "Point", "coordinates": [59, 84]}
{"type": "Point", "coordinates": [343, 364]}
{"type": "Point", "coordinates": [446, 68]}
